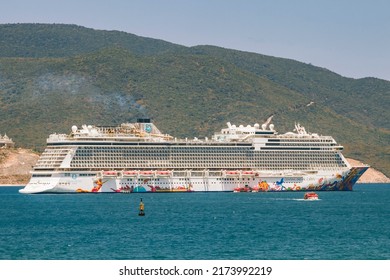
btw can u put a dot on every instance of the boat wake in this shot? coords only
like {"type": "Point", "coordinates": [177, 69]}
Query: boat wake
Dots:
{"type": "Point", "coordinates": [302, 199]}
{"type": "Point", "coordinates": [292, 199]}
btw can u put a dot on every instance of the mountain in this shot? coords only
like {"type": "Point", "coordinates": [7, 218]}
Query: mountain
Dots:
{"type": "Point", "coordinates": [56, 76]}
{"type": "Point", "coordinates": [59, 40]}
{"type": "Point", "coordinates": [15, 166]}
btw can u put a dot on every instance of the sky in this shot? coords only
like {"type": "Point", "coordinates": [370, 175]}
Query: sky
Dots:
{"type": "Point", "coordinates": [349, 37]}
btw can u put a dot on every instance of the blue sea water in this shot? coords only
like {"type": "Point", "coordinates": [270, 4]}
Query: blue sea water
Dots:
{"type": "Point", "coordinates": [186, 226]}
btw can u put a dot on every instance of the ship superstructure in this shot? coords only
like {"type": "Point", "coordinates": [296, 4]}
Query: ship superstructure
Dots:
{"type": "Point", "coordinates": [137, 157]}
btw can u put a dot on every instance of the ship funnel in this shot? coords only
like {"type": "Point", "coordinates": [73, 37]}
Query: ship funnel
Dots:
{"type": "Point", "coordinates": [143, 120]}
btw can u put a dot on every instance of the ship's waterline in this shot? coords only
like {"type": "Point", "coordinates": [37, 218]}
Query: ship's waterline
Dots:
{"type": "Point", "coordinates": [137, 157]}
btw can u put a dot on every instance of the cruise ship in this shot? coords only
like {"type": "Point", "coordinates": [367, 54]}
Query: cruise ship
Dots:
{"type": "Point", "coordinates": [137, 157]}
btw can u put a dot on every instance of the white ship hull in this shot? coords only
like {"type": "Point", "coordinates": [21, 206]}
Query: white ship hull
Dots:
{"type": "Point", "coordinates": [256, 182]}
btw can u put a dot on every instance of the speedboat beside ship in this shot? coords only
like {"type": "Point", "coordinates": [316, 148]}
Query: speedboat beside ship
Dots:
{"type": "Point", "coordinates": [137, 157]}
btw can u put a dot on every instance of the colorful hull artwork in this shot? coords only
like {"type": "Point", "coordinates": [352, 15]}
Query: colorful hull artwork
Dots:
{"type": "Point", "coordinates": [96, 188]}
{"type": "Point", "coordinates": [339, 184]}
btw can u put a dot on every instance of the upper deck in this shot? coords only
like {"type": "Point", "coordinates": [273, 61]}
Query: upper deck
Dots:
{"type": "Point", "coordinates": [143, 131]}
{"type": "Point", "coordinates": [142, 145]}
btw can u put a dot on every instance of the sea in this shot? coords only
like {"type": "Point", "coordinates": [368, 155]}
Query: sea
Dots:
{"type": "Point", "coordinates": [196, 226]}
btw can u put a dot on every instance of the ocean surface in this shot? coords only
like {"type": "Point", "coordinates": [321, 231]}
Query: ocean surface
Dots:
{"type": "Point", "coordinates": [187, 226]}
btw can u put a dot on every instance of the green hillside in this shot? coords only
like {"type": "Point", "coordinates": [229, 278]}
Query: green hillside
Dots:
{"type": "Point", "coordinates": [59, 40]}
{"type": "Point", "coordinates": [48, 84]}
{"type": "Point", "coordinates": [358, 99]}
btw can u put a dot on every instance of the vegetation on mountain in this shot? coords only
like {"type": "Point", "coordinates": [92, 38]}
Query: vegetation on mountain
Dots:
{"type": "Point", "coordinates": [59, 40]}
{"type": "Point", "coordinates": [56, 76]}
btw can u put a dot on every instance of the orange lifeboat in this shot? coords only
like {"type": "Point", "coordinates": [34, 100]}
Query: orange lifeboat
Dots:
{"type": "Point", "coordinates": [163, 173]}
{"type": "Point", "coordinates": [248, 173]}
{"type": "Point", "coordinates": [232, 173]}
{"type": "Point", "coordinates": [109, 173]}
{"type": "Point", "coordinates": [130, 173]}
{"type": "Point", "coordinates": [148, 173]}
{"type": "Point", "coordinates": [242, 189]}
{"type": "Point", "coordinates": [310, 196]}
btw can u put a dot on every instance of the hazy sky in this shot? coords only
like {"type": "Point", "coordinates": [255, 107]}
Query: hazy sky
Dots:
{"type": "Point", "coordinates": [349, 37]}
